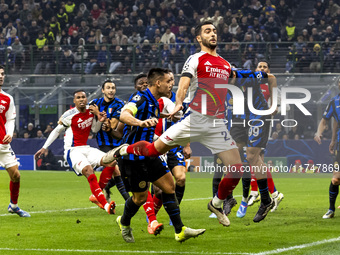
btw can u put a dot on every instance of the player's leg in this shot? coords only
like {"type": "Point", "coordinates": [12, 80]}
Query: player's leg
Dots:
{"type": "Point", "coordinates": [176, 163]}
{"type": "Point", "coordinates": [82, 161]}
{"type": "Point", "coordinates": [14, 186]}
{"type": "Point", "coordinates": [163, 179]}
{"type": "Point", "coordinates": [119, 183]}
{"type": "Point", "coordinates": [254, 194]}
{"type": "Point", "coordinates": [10, 163]}
{"type": "Point", "coordinates": [333, 194]}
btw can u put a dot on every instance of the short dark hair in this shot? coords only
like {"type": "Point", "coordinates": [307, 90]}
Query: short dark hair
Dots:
{"type": "Point", "coordinates": [2, 67]}
{"type": "Point", "coordinates": [141, 75]}
{"type": "Point", "coordinates": [155, 74]}
{"type": "Point", "coordinates": [265, 61]}
{"type": "Point", "coordinates": [78, 90]}
{"type": "Point", "coordinates": [198, 28]}
{"type": "Point", "coordinates": [107, 81]}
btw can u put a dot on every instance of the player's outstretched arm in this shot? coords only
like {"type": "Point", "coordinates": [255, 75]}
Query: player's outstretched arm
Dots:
{"type": "Point", "coordinates": [334, 136]}
{"type": "Point", "coordinates": [321, 128]}
{"type": "Point", "coordinates": [183, 87]}
{"type": "Point", "coordinates": [51, 138]}
{"type": "Point", "coordinates": [128, 118]}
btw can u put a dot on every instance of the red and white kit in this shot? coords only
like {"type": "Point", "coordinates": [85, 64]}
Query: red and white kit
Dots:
{"type": "Point", "coordinates": [78, 126]}
{"type": "Point", "coordinates": [7, 122]}
{"type": "Point", "coordinates": [203, 122]}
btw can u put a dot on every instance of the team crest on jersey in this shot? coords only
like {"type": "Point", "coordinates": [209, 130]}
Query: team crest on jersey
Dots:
{"type": "Point", "coordinates": [156, 112]}
{"type": "Point", "coordinates": [230, 101]}
{"type": "Point", "coordinates": [142, 184]}
{"type": "Point", "coordinates": [136, 97]}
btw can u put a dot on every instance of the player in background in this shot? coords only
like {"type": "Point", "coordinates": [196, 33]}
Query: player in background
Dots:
{"type": "Point", "coordinates": [254, 195]}
{"type": "Point", "coordinates": [141, 83]}
{"type": "Point", "coordinates": [140, 116]}
{"type": "Point", "coordinates": [201, 72]}
{"type": "Point", "coordinates": [175, 159]}
{"type": "Point", "coordinates": [112, 107]}
{"type": "Point", "coordinates": [332, 110]}
{"type": "Point", "coordinates": [78, 123]}
{"type": "Point", "coordinates": [7, 156]}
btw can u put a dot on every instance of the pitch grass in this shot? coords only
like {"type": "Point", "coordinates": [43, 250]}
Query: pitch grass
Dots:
{"type": "Point", "coordinates": [48, 195]}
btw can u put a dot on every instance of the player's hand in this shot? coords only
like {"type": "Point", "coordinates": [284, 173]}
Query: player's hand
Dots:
{"type": "Point", "coordinates": [94, 109]}
{"type": "Point", "coordinates": [101, 116]}
{"type": "Point", "coordinates": [175, 111]}
{"type": "Point", "coordinates": [38, 154]}
{"type": "Point", "coordinates": [149, 123]}
{"type": "Point", "coordinates": [7, 139]}
{"type": "Point", "coordinates": [106, 125]}
{"type": "Point", "coordinates": [164, 115]}
{"type": "Point", "coordinates": [331, 147]}
{"type": "Point", "coordinates": [187, 152]}
{"type": "Point", "coordinates": [317, 138]}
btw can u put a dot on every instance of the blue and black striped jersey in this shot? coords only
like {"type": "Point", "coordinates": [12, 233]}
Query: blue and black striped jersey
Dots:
{"type": "Point", "coordinates": [333, 110]}
{"type": "Point", "coordinates": [246, 79]}
{"type": "Point", "coordinates": [112, 110]}
{"type": "Point", "coordinates": [147, 108]}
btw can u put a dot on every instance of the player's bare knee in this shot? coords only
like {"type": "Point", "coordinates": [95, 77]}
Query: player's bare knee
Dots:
{"type": "Point", "coordinates": [140, 198]}
{"type": "Point", "coordinates": [87, 171]}
{"type": "Point", "coordinates": [14, 174]}
{"type": "Point", "coordinates": [335, 181]}
{"type": "Point", "coordinates": [180, 181]}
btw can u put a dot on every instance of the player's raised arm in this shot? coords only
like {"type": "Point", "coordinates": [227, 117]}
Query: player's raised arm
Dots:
{"type": "Point", "coordinates": [321, 128]}
{"type": "Point", "coordinates": [183, 87]}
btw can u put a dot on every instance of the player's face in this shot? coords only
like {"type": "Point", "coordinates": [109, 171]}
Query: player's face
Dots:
{"type": "Point", "coordinates": [263, 66]}
{"type": "Point", "coordinates": [208, 36]}
{"type": "Point", "coordinates": [80, 100]}
{"type": "Point", "coordinates": [2, 77]}
{"type": "Point", "coordinates": [109, 91]}
{"type": "Point", "coordinates": [165, 85]}
{"type": "Point", "coordinates": [142, 84]}
{"type": "Point", "coordinates": [172, 81]}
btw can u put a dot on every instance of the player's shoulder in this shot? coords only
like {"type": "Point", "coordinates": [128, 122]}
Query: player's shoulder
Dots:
{"type": "Point", "coordinates": [70, 113]}
{"type": "Point", "coordinates": [6, 95]}
{"type": "Point", "coordinates": [118, 101]}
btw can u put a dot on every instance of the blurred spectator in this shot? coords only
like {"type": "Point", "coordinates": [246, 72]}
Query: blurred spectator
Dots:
{"type": "Point", "coordinates": [45, 61]}
{"type": "Point", "coordinates": [41, 41]}
{"type": "Point", "coordinates": [329, 34]}
{"type": "Point", "coordinates": [66, 61]}
{"type": "Point", "coordinates": [275, 136]}
{"type": "Point", "coordinates": [120, 37]}
{"type": "Point", "coordinates": [18, 51]}
{"type": "Point", "coordinates": [62, 18]}
{"type": "Point", "coordinates": [152, 58]}
{"type": "Point", "coordinates": [319, 7]}
{"type": "Point", "coordinates": [296, 137]}
{"type": "Point", "coordinates": [80, 56]}
{"type": "Point", "coordinates": [26, 135]}
{"type": "Point", "coordinates": [310, 25]}
{"type": "Point", "coordinates": [285, 137]}
{"type": "Point", "coordinates": [95, 12]}
{"type": "Point", "coordinates": [226, 36]}
{"type": "Point", "coordinates": [283, 11]}
{"type": "Point", "coordinates": [297, 168]}
{"type": "Point", "coordinates": [30, 131]}
{"type": "Point", "coordinates": [279, 130]}
{"type": "Point", "coordinates": [316, 16]}
{"type": "Point", "coordinates": [294, 131]}
{"type": "Point", "coordinates": [212, 8]}
{"type": "Point", "coordinates": [311, 168]}
{"type": "Point", "coordinates": [48, 161]}
{"type": "Point", "coordinates": [150, 29]}
{"type": "Point", "coordinates": [40, 135]}
{"type": "Point", "coordinates": [272, 28]}
{"type": "Point", "coordinates": [103, 59]}
{"type": "Point", "coordinates": [117, 56]}
{"type": "Point", "coordinates": [303, 59]}
{"type": "Point", "coordinates": [330, 61]}
{"type": "Point", "coordinates": [333, 8]}
{"type": "Point", "coordinates": [316, 36]}
{"type": "Point", "coordinates": [305, 35]}
{"type": "Point", "coordinates": [165, 56]}
{"type": "Point", "coordinates": [290, 32]}
{"type": "Point", "coordinates": [127, 27]}
{"type": "Point", "coordinates": [92, 56]}
{"type": "Point", "coordinates": [268, 7]}
{"type": "Point", "coordinates": [233, 26]}
{"type": "Point", "coordinates": [139, 60]}
{"type": "Point", "coordinates": [250, 32]}
{"type": "Point", "coordinates": [249, 58]}
{"type": "Point", "coordinates": [48, 130]}
{"type": "Point", "coordinates": [315, 65]}
{"type": "Point", "coordinates": [216, 18]}
{"type": "Point", "coordinates": [167, 36]}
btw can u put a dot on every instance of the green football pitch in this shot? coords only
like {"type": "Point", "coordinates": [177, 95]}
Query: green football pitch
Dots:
{"type": "Point", "coordinates": [65, 222]}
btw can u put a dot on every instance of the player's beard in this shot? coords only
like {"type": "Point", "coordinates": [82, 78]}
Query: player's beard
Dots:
{"type": "Point", "coordinates": [207, 44]}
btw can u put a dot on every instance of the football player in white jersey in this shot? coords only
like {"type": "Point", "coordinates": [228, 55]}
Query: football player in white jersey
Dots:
{"type": "Point", "coordinates": [203, 77]}
{"type": "Point", "coordinates": [78, 122]}
{"type": "Point", "coordinates": [7, 156]}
